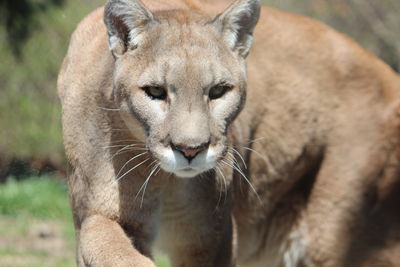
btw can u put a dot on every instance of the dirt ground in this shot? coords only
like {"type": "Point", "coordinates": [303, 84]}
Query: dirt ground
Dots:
{"type": "Point", "coordinates": [34, 243]}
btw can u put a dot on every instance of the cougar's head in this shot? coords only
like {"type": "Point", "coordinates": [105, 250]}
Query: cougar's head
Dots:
{"type": "Point", "coordinates": [182, 75]}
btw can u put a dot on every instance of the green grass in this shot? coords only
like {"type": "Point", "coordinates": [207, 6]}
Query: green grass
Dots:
{"type": "Point", "coordinates": [42, 198]}
{"type": "Point", "coordinates": [28, 209]}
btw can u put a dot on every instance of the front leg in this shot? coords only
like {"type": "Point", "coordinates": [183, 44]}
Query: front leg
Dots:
{"type": "Point", "coordinates": [196, 224]}
{"type": "Point", "coordinates": [112, 229]}
{"type": "Point", "coordinates": [102, 242]}
{"type": "Point", "coordinates": [341, 200]}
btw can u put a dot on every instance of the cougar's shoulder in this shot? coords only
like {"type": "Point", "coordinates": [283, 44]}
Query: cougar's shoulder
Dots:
{"type": "Point", "coordinates": [87, 61]}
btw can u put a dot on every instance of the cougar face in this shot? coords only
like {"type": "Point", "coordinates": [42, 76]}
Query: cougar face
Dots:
{"type": "Point", "coordinates": [185, 83]}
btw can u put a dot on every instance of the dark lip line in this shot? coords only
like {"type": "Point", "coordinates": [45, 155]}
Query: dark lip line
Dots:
{"type": "Point", "coordinates": [187, 169]}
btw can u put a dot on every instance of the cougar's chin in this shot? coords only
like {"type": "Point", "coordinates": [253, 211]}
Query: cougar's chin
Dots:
{"type": "Point", "coordinates": [187, 173]}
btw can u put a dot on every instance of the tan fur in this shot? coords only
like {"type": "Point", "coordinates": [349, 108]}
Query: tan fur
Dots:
{"type": "Point", "coordinates": [319, 135]}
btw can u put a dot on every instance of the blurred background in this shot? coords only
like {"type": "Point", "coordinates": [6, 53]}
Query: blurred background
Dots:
{"type": "Point", "coordinates": [35, 220]}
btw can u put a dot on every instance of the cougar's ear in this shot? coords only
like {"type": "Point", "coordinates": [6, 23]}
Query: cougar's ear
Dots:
{"type": "Point", "coordinates": [126, 21]}
{"type": "Point", "coordinates": [237, 24]}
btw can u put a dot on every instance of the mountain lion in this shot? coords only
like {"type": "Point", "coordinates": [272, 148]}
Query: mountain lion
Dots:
{"type": "Point", "coordinates": [163, 149]}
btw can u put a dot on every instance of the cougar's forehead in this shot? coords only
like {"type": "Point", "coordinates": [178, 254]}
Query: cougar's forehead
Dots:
{"type": "Point", "coordinates": [179, 28]}
{"type": "Point", "coordinates": [180, 71]}
{"type": "Point", "coordinates": [187, 55]}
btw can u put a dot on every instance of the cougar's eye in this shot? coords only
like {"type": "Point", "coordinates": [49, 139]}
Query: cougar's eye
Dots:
{"type": "Point", "coordinates": [218, 91]}
{"type": "Point", "coordinates": [155, 92]}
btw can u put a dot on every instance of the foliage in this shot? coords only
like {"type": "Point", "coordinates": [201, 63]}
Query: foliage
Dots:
{"type": "Point", "coordinates": [29, 108]}
{"type": "Point", "coordinates": [19, 19]}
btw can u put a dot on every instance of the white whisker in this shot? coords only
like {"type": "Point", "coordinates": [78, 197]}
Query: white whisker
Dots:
{"type": "Point", "coordinates": [144, 185]}
{"type": "Point", "coordinates": [109, 109]}
{"type": "Point", "coordinates": [257, 153]}
{"type": "Point", "coordinates": [232, 158]}
{"type": "Point", "coordinates": [244, 176]}
{"type": "Point", "coordinates": [132, 169]}
{"type": "Point", "coordinates": [255, 140]}
{"type": "Point", "coordinates": [159, 169]}
{"type": "Point", "coordinates": [151, 164]}
{"type": "Point", "coordinates": [124, 150]}
{"type": "Point", "coordinates": [126, 163]}
{"type": "Point", "coordinates": [220, 188]}
{"type": "Point", "coordinates": [113, 146]}
{"type": "Point", "coordinates": [240, 156]}
{"type": "Point", "coordinates": [127, 140]}
{"type": "Point", "coordinates": [225, 184]}
{"type": "Point", "coordinates": [120, 130]}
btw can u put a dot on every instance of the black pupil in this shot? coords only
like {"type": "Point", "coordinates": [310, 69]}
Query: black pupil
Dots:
{"type": "Point", "coordinates": [155, 92]}
{"type": "Point", "coordinates": [218, 91]}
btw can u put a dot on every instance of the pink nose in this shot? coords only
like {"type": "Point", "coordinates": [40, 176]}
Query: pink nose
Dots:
{"type": "Point", "coordinates": [191, 152]}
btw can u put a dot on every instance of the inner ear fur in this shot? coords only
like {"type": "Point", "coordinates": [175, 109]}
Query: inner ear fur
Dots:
{"type": "Point", "coordinates": [237, 24]}
{"type": "Point", "coordinates": [126, 21]}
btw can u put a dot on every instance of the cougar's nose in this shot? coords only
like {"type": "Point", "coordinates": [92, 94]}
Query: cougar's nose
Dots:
{"type": "Point", "coordinates": [190, 152]}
